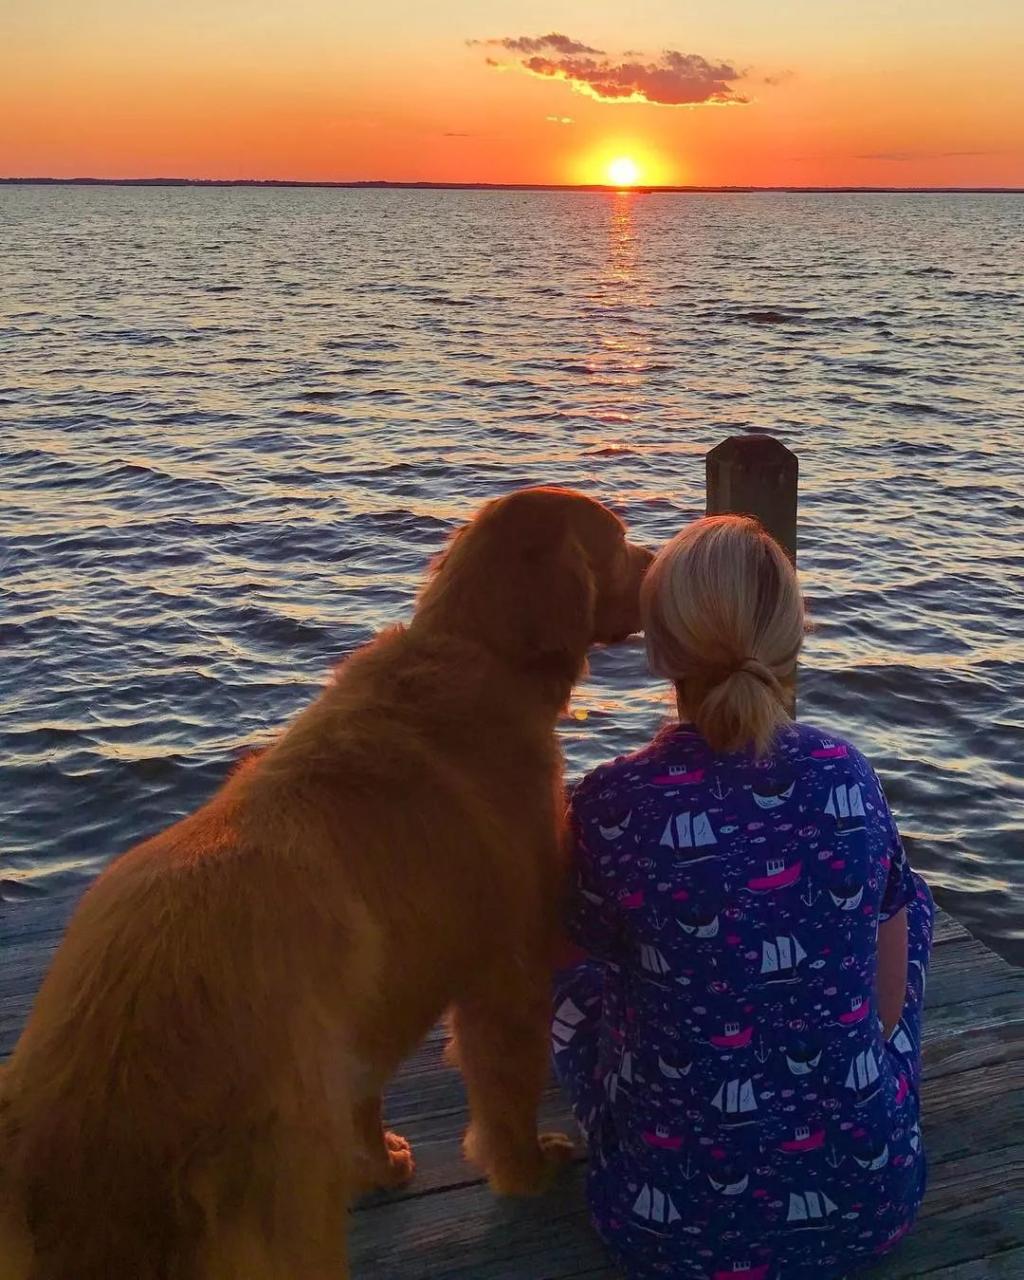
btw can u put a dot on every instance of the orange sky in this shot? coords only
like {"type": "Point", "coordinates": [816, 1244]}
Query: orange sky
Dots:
{"type": "Point", "coordinates": [886, 92]}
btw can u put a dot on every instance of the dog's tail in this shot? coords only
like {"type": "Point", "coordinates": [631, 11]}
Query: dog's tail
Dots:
{"type": "Point", "coordinates": [15, 1243]}
{"type": "Point", "coordinates": [106, 1208]}
{"type": "Point", "coordinates": [73, 1209]}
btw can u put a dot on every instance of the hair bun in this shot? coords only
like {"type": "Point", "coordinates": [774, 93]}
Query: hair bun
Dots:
{"type": "Point", "coordinates": [756, 668]}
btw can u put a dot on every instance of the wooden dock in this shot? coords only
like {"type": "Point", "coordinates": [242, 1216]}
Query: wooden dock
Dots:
{"type": "Point", "coordinates": [447, 1226]}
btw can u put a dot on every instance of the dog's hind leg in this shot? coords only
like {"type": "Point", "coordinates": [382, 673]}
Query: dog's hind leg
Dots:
{"type": "Point", "coordinates": [501, 1036]}
{"type": "Point", "coordinates": [277, 1208]}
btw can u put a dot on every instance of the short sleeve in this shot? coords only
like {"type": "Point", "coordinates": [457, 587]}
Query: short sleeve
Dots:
{"type": "Point", "coordinates": [899, 886]}
{"type": "Point", "coordinates": [592, 915]}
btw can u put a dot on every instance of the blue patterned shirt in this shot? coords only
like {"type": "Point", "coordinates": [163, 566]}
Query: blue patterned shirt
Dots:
{"type": "Point", "coordinates": [749, 1106]}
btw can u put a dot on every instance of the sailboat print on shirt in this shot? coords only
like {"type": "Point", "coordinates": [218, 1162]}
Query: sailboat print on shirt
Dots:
{"type": "Point", "coordinates": [736, 1102]}
{"type": "Point", "coordinates": [689, 831]}
{"type": "Point", "coordinates": [567, 1019]}
{"type": "Point", "coordinates": [617, 1082]}
{"type": "Point", "coordinates": [862, 1076]}
{"type": "Point", "coordinates": [655, 1209]}
{"type": "Point", "coordinates": [901, 1041]}
{"type": "Point", "coordinates": [809, 1209]}
{"type": "Point", "coordinates": [780, 957]}
{"type": "Point", "coordinates": [653, 961]}
{"type": "Point", "coordinates": [846, 805]}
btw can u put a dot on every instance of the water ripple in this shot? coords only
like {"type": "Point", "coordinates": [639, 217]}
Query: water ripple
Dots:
{"type": "Point", "coordinates": [237, 425]}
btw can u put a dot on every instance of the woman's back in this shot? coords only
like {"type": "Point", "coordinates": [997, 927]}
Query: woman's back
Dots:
{"type": "Point", "coordinates": [749, 1094]}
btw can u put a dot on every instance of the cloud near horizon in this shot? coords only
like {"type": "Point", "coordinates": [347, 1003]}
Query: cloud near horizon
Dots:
{"type": "Point", "coordinates": [537, 44]}
{"type": "Point", "coordinates": [673, 80]}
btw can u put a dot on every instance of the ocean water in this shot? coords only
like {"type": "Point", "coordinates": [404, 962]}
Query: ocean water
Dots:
{"type": "Point", "coordinates": [236, 424]}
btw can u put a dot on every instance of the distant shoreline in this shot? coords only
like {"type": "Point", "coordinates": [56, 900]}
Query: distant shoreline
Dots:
{"type": "Point", "coordinates": [499, 186]}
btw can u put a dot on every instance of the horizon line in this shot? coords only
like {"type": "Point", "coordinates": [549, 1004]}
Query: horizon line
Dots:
{"type": "Point", "coordinates": [598, 187]}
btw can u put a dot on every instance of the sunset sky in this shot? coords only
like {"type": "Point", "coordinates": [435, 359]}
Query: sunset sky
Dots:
{"type": "Point", "coordinates": [797, 92]}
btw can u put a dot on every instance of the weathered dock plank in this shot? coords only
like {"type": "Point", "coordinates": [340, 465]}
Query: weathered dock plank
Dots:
{"type": "Point", "coordinates": [447, 1226]}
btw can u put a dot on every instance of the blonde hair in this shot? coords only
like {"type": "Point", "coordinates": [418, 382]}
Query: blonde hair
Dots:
{"type": "Point", "coordinates": [724, 621]}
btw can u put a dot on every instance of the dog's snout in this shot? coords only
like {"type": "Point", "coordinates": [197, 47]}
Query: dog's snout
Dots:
{"type": "Point", "coordinates": [641, 560]}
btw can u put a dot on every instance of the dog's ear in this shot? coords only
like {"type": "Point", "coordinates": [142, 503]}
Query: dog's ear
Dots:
{"type": "Point", "coordinates": [518, 579]}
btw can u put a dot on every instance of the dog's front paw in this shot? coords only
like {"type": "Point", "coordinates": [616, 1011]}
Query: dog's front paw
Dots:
{"type": "Point", "coordinates": [534, 1175]}
{"type": "Point", "coordinates": [556, 1148]}
{"type": "Point", "coordinates": [400, 1163]}
{"type": "Point", "coordinates": [390, 1165]}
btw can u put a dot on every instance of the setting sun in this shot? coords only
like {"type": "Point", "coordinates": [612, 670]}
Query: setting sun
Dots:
{"type": "Point", "coordinates": [624, 172]}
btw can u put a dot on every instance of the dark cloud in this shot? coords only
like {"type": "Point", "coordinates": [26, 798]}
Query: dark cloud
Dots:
{"type": "Point", "coordinates": [554, 41]}
{"type": "Point", "coordinates": [673, 80]}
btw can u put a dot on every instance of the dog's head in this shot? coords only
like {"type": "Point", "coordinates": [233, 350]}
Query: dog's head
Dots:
{"type": "Point", "coordinates": [538, 577]}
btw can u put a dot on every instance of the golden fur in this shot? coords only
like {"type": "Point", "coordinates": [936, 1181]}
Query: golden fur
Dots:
{"type": "Point", "coordinates": [196, 1095]}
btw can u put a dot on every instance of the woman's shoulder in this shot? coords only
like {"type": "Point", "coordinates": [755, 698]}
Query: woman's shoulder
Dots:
{"type": "Point", "coordinates": [624, 773]}
{"type": "Point", "coordinates": [814, 743]}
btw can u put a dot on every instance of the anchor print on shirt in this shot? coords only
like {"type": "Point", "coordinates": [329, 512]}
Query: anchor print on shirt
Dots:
{"type": "Point", "coordinates": [689, 834]}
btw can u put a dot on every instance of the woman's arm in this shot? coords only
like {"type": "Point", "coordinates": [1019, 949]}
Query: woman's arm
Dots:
{"type": "Point", "coordinates": [591, 918]}
{"type": "Point", "coordinates": [892, 970]}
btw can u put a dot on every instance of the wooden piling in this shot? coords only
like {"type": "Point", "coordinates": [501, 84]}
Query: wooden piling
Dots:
{"type": "Point", "coordinates": [756, 476]}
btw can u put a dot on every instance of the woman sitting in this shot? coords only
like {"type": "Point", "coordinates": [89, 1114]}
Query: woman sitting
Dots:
{"type": "Point", "coordinates": [742, 1043]}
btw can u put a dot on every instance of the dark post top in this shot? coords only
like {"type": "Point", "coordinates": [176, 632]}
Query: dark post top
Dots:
{"type": "Point", "coordinates": [755, 475]}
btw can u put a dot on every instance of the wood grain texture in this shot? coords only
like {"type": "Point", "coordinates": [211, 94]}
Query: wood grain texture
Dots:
{"type": "Point", "coordinates": [447, 1226]}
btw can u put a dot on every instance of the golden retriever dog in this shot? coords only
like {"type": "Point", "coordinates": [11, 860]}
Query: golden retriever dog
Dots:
{"type": "Point", "coordinates": [196, 1095]}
